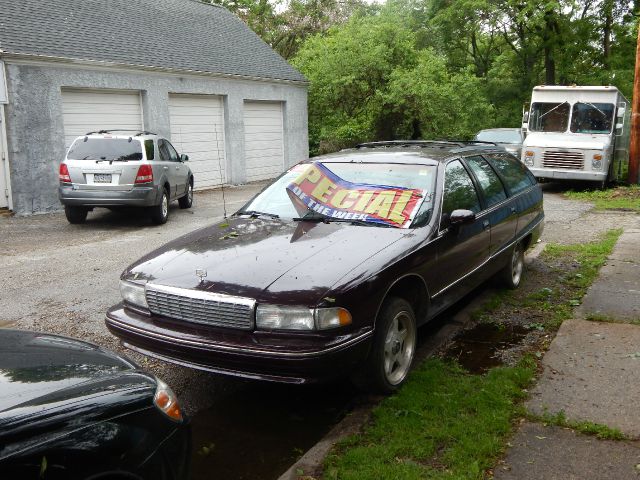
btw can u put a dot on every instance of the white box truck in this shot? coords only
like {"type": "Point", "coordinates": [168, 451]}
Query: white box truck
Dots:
{"type": "Point", "coordinates": [577, 133]}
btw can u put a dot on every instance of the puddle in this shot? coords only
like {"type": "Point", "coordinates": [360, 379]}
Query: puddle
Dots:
{"type": "Point", "coordinates": [478, 349]}
{"type": "Point", "coordinates": [259, 430]}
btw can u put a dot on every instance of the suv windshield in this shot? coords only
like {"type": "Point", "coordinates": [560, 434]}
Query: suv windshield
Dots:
{"type": "Point", "coordinates": [500, 136]}
{"type": "Point", "coordinates": [111, 149]}
{"type": "Point", "coordinates": [275, 200]}
{"type": "Point", "coordinates": [549, 117]}
{"type": "Point", "coordinates": [592, 117]}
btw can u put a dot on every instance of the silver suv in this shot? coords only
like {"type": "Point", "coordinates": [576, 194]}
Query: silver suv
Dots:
{"type": "Point", "coordinates": [108, 169]}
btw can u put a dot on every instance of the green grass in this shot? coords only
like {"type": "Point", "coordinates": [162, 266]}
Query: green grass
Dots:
{"type": "Point", "coordinates": [619, 198]}
{"type": "Point", "coordinates": [588, 428]}
{"type": "Point", "coordinates": [444, 423]}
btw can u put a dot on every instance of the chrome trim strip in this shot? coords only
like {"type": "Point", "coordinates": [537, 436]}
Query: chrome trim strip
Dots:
{"type": "Point", "coordinates": [200, 295]}
{"type": "Point", "coordinates": [250, 351]}
{"type": "Point", "coordinates": [515, 240]}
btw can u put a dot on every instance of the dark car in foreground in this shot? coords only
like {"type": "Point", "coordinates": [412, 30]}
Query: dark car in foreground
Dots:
{"type": "Point", "coordinates": [71, 410]}
{"type": "Point", "coordinates": [330, 270]}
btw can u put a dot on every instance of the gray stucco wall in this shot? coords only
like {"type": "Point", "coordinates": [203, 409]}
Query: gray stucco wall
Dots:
{"type": "Point", "coordinates": [35, 131]}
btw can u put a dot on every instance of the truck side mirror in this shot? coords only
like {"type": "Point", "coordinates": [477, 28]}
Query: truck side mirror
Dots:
{"type": "Point", "coordinates": [619, 127]}
{"type": "Point", "coordinates": [621, 112]}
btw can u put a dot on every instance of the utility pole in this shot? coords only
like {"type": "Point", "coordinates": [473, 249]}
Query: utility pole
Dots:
{"type": "Point", "coordinates": [634, 148]}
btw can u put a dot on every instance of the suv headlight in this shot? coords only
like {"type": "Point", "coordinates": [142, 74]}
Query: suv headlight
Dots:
{"type": "Point", "coordinates": [529, 157]}
{"type": "Point", "coordinates": [281, 317]}
{"type": "Point", "coordinates": [133, 293]}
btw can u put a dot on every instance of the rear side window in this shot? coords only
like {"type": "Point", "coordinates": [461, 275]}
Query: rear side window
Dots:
{"type": "Point", "coordinates": [459, 192]}
{"type": "Point", "coordinates": [112, 149]}
{"type": "Point", "coordinates": [149, 150]}
{"type": "Point", "coordinates": [513, 172]}
{"type": "Point", "coordinates": [490, 183]}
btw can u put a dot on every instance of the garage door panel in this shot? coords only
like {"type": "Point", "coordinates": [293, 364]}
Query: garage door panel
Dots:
{"type": "Point", "coordinates": [86, 111]}
{"type": "Point", "coordinates": [263, 134]}
{"type": "Point", "coordinates": [197, 129]}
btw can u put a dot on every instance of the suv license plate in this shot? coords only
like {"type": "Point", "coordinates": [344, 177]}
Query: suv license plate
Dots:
{"type": "Point", "coordinates": [102, 178]}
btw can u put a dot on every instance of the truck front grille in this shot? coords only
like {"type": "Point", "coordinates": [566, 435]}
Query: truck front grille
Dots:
{"type": "Point", "coordinates": [201, 307]}
{"type": "Point", "coordinates": [560, 159]}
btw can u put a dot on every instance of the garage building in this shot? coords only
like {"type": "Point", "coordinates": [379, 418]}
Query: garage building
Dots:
{"type": "Point", "coordinates": [190, 71]}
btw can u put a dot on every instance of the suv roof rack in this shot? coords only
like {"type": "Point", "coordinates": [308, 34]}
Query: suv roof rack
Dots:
{"type": "Point", "coordinates": [424, 143]}
{"type": "Point", "coordinates": [99, 132]}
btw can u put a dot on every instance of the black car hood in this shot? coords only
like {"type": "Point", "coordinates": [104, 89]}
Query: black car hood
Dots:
{"type": "Point", "coordinates": [260, 257]}
{"type": "Point", "coordinates": [35, 366]}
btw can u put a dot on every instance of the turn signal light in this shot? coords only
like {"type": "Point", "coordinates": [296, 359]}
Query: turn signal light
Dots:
{"type": "Point", "coordinates": [63, 174]}
{"type": "Point", "coordinates": [145, 174]}
{"type": "Point", "coordinates": [167, 402]}
{"type": "Point", "coordinates": [597, 157]}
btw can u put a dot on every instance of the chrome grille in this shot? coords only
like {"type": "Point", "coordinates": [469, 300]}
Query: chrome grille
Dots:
{"type": "Point", "coordinates": [201, 307]}
{"type": "Point", "coordinates": [559, 159]}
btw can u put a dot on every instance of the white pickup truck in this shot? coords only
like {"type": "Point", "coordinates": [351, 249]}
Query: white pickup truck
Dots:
{"type": "Point", "coordinates": [577, 133]}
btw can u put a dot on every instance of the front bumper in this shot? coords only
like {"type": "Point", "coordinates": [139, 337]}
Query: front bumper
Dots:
{"type": "Point", "coordinates": [136, 197]}
{"type": "Point", "coordinates": [568, 174]}
{"type": "Point", "coordinates": [251, 355]}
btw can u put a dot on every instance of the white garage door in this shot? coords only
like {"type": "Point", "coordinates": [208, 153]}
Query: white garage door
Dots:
{"type": "Point", "coordinates": [197, 129]}
{"type": "Point", "coordinates": [263, 134]}
{"type": "Point", "coordinates": [92, 110]}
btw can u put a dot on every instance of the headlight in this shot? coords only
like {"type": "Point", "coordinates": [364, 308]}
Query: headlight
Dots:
{"type": "Point", "coordinates": [167, 401]}
{"type": "Point", "coordinates": [280, 317]}
{"type": "Point", "coordinates": [596, 162]}
{"type": "Point", "coordinates": [133, 293]}
{"type": "Point", "coordinates": [529, 157]}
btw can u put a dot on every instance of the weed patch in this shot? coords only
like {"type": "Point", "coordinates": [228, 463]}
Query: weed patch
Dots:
{"type": "Point", "coordinates": [588, 428]}
{"type": "Point", "coordinates": [619, 198]}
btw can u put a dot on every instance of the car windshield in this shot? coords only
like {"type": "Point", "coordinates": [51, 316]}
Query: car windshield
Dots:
{"type": "Point", "coordinates": [111, 149]}
{"type": "Point", "coordinates": [549, 117]}
{"type": "Point", "coordinates": [500, 136]}
{"type": "Point", "coordinates": [592, 117]}
{"type": "Point", "coordinates": [416, 180]}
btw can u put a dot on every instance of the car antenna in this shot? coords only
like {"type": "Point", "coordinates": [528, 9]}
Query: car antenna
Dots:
{"type": "Point", "coordinates": [224, 203]}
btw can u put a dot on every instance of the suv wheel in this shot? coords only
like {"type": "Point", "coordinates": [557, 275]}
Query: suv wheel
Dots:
{"type": "Point", "coordinates": [160, 212]}
{"type": "Point", "coordinates": [393, 348]}
{"type": "Point", "coordinates": [75, 214]}
{"type": "Point", "coordinates": [187, 200]}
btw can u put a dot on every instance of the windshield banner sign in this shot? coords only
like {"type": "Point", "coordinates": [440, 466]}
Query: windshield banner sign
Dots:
{"type": "Point", "coordinates": [319, 190]}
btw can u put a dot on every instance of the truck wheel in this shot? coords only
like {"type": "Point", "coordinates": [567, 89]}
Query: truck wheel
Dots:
{"type": "Point", "coordinates": [76, 215]}
{"type": "Point", "coordinates": [393, 348]}
{"type": "Point", "coordinates": [187, 200]}
{"type": "Point", "coordinates": [160, 212]}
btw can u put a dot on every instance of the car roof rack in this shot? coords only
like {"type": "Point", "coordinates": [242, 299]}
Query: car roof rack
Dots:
{"type": "Point", "coordinates": [100, 132]}
{"type": "Point", "coordinates": [425, 143]}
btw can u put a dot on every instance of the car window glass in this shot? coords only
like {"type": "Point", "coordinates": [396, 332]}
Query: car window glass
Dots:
{"type": "Point", "coordinates": [149, 150]}
{"type": "Point", "coordinates": [164, 152]}
{"type": "Point", "coordinates": [513, 172]}
{"type": "Point", "coordinates": [112, 149]}
{"type": "Point", "coordinates": [173, 155]}
{"type": "Point", "coordinates": [459, 192]}
{"type": "Point", "coordinates": [490, 183]}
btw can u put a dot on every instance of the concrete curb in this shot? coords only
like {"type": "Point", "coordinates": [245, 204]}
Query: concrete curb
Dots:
{"type": "Point", "coordinates": [310, 464]}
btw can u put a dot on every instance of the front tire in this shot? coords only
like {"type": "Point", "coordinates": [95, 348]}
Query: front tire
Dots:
{"type": "Point", "coordinates": [75, 215]}
{"type": "Point", "coordinates": [393, 349]}
{"type": "Point", "coordinates": [187, 200]}
{"type": "Point", "coordinates": [511, 274]}
{"type": "Point", "coordinates": [160, 212]}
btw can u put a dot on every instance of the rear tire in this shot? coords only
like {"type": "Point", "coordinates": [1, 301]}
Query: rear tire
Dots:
{"type": "Point", "coordinates": [76, 215]}
{"type": "Point", "coordinates": [393, 349]}
{"type": "Point", "coordinates": [187, 200]}
{"type": "Point", "coordinates": [160, 212]}
{"type": "Point", "coordinates": [511, 274]}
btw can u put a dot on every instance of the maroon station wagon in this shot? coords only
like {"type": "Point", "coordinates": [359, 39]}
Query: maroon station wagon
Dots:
{"type": "Point", "coordinates": [315, 282]}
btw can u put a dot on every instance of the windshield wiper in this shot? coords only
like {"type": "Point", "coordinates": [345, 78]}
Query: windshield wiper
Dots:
{"type": "Point", "coordinates": [599, 111]}
{"type": "Point", "coordinates": [256, 214]}
{"type": "Point", "coordinates": [554, 108]}
{"type": "Point", "coordinates": [311, 217]}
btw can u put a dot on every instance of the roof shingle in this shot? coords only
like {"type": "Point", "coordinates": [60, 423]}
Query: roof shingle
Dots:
{"type": "Point", "coordinates": [174, 34]}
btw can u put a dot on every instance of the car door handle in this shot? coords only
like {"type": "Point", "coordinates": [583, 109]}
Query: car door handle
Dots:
{"type": "Point", "coordinates": [166, 168]}
{"type": "Point", "coordinates": [513, 209]}
{"type": "Point", "coordinates": [178, 167]}
{"type": "Point", "coordinates": [485, 224]}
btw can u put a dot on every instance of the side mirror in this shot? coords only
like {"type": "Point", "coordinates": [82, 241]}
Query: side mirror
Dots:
{"type": "Point", "coordinates": [461, 217]}
{"type": "Point", "coordinates": [184, 158]}
{"type": "Point", "coordinates": [621, 112]}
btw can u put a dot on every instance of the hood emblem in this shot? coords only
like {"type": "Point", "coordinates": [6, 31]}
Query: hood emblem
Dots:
{"type": "Point", "coordinates": [202, 274]}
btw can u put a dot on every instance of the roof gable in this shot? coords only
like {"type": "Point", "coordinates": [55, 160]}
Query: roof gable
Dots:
{"type": "Point", "coordinates": [184, 35]}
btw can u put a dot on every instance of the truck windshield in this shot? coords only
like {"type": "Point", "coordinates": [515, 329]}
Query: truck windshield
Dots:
{"type": "Point", "coordinates": [592, 117]}
{"type": "Point", "coordinates": [549, 117]}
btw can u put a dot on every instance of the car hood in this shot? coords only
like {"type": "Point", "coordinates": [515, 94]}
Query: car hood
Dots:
{"type": "Point", "coordinates": [36, 366]}
{"type": "Point", "coordinates": [261, 258]}
{"type": "Point", "coordinates": [581, 141]}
